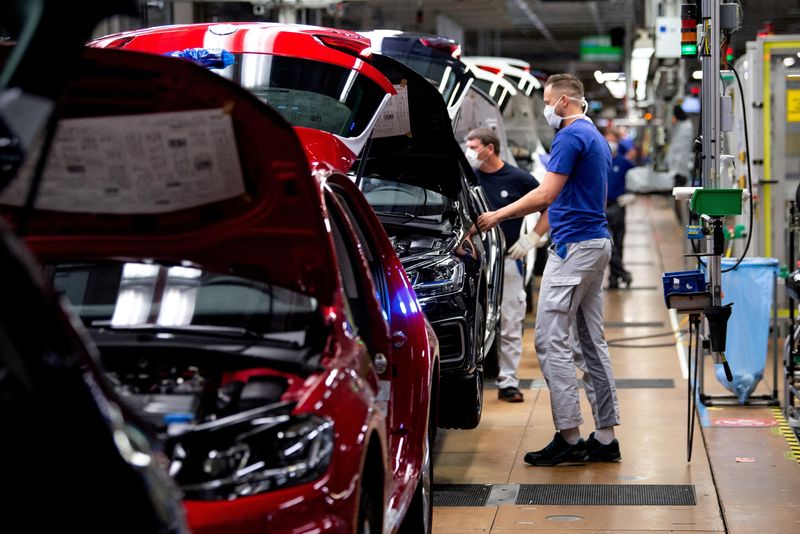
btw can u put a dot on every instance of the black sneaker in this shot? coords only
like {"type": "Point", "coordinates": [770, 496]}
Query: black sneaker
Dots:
{"type": "Point", "coordinates": [557, 452]}
{"type": "Point", "coordinates": [603, 453]}
{"type": "Point", "coordinates": [510, 394]}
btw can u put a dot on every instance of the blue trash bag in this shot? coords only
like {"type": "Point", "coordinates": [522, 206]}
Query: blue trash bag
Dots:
{"type": "Point", "coordinates": [750, 287]}
{"type": "Point", "coordinates": [210, 58]}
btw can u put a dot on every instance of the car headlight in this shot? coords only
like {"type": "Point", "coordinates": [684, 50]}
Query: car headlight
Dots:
{"type": "Point", "coordinates": [439, 278]}
{"type": "Point", "coordinates": [253, 456]}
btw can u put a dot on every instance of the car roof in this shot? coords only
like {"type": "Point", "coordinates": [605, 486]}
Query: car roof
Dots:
{"type": "Point", "coordinates": [296, 40]}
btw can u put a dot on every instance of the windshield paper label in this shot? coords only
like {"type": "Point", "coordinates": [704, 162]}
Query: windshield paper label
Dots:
{"type": "Point", "coordinates": [395, 118]}
{"type": "Point", "coordinates": [153, 163]}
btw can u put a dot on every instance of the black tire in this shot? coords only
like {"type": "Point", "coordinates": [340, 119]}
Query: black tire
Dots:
{"type": "Point", "coordinates": [419, 517]}
{"type": "Point", "coordinates": [369, 512]}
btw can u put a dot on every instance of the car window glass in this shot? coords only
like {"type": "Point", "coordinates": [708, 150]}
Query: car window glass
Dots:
{"type": "Point", "coordinates": [352, 280]}
{"type": "Point", "coordinates": [309, 93]}
{"type": "Point", "coordinates": [368, 247]}
{"type": "Point", "coordinates": [393, 196]}
{"type": "Point", "coordinates": [130, 295]}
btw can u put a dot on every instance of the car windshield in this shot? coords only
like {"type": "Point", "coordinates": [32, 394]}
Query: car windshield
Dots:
{"type": "Point", "coordinates": [401, 199]}
{"type": "Point", "coordinates": [447, 74]}
{"type": "Point", "coordinates": [150, 296]}
{"type": "Point", "coordinates": [311, 94]}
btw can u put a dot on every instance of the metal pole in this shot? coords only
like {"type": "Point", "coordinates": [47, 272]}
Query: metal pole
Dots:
{"type": "Point", "coordinates": [709, 55]}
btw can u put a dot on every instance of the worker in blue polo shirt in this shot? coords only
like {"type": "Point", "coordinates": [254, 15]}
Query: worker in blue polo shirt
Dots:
{"type": "Point", "coordinates": [616, 201]}
{"type": "Point", "coordinates": [569, 320]}
{"type": "Point", "coordinates": [503, 184]}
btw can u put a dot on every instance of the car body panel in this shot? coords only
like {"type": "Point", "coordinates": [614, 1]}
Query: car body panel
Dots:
{"type": "Point", "coordinates": [279, 230]}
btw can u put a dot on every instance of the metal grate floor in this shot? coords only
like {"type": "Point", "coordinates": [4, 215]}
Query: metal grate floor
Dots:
{"type": "Point", "coordinates": [461, 494]}
{"type": "Point", "coordinates": [606, 495]}
{"type": "Point", "coordinates": [622, 383]}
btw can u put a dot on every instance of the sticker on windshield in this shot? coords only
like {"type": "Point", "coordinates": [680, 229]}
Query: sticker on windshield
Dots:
{"type": "Point", "coordinates": [153, 163]}
{"type": "Point", "coordinates": [395, 118]}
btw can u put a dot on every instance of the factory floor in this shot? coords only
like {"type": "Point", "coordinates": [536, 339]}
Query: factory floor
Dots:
{"type": "Point", "coordinates": [744, 473]}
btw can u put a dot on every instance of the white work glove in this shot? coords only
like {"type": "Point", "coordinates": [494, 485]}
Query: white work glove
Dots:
{"type": "Point", "coordinates": [524, 244]}
{"type": "Point", "coordinates": [624, 200]}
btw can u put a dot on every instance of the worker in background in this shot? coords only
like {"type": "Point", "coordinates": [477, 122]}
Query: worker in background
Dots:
{"type": "Point", "coordinates": [615, 206]}
{"type": "Point", "coordinates": [680, 155]}
{"type": "Point", "coordinates": [570, 296]}
{"type": "Point", "coordinates": [503, 184]}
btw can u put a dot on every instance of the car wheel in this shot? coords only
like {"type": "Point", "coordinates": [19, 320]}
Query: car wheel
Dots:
{"type": "Point", "coordinates": [369, 517]}
{"type": "Point", "coordinates": [419, 517]}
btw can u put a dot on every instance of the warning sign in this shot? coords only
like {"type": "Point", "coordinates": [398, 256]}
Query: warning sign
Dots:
{"type": "Point", "coordinates": [793, 105]}
{"type": "Point", "coordinates": [744, 423]}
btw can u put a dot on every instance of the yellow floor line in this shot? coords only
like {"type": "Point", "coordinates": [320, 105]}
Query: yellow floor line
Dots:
{"type": "Point", "coordinates": [788, 433]}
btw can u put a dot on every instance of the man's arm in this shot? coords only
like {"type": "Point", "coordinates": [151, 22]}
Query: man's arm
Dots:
{"type": "Point", "coordinates": [543, 224]}
{"type": "Point", "coordinates": [536, 200]}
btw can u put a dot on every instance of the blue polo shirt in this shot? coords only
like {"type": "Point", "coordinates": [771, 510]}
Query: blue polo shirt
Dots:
{"type": "Point", "coordinates": [579, 211]}
{"type": "Point", "coordinates": [620, 166]}
{"type": "Point", "coordinates": [503, 187]}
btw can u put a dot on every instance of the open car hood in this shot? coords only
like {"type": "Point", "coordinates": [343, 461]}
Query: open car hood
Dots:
{"type": "Point", "coordinates": [422, 150]}
{"type": "Point", "coordinates": [159, 158]}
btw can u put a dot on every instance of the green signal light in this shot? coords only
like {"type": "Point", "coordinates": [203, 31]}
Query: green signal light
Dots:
{"type": "Point", "coordinates": [689, 49]}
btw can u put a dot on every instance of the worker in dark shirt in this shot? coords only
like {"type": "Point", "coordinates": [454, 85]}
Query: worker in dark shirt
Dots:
{"type": "Point", "coordinates": [615, 207]}
{"type": "Point", "coordinates": [503, 184]}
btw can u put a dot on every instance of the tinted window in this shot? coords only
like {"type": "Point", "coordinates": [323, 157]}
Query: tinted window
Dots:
{"type": "Point", "coordinates": [130, 295]}
{"type": "Point", "coordinates": [389, 196]}
{"type": "Point", "coordinates": [309, 93]}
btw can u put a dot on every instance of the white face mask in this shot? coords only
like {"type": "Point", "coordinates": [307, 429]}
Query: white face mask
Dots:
{"type": "Point", "coordinates": [472, 159]}
{"type": "Point", "coordinates": [555, 120]}
{"type": "Point", "coordinates": [614, 146]}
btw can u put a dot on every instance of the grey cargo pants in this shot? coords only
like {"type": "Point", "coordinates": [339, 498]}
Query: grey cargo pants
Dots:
{"type": "Point", "coordinates": [569, 333]}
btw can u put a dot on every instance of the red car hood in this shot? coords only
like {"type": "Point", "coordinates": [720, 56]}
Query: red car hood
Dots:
{"type": "Point", "coordinates": [129, 204]}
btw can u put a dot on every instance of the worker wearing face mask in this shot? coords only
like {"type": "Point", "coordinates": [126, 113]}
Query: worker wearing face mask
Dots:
{"type": "Point", "coordinates": [569, 319]}
{"type": "Point", "coordinates": [503, 184]}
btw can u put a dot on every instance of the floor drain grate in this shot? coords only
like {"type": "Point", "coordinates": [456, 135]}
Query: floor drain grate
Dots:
{"type": "Point", "coordinates": [461, 494]}
{"type": "Point", "coordinates": [645, 383]}
{"type": "Point", "coordinates": [606, 495]}
{"type": "Point", "coordinates": [622, 383]}
{"type": "Point", "coordinates": [634, 324]}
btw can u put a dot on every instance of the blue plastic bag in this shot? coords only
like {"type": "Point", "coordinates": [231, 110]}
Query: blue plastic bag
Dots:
{"type": "Point", "coordinates": [210, 58]}
{"type": "Point", "coordinates": [750, 287]}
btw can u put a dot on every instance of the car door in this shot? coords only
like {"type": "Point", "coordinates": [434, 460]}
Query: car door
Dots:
{"type": "Point", "coordinates": [494, 245]}
{"type": "Point", "coordinates": [409, 378]}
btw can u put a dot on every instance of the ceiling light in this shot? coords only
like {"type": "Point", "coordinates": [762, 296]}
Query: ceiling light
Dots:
{"type": "Point", "coordinates": [789, 61]}
{"type": "Point", "coordinates": [598, 75]}
{"type": "Point", "coordinates": [697, 75]}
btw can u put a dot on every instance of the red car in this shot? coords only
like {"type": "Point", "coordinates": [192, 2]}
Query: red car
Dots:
{"type": "Point", "coordinates": [317, 78]}
{"type": "Point", "coordinates": [247, 303]}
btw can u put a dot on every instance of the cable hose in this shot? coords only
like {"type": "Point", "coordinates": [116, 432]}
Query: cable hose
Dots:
{"type": "Point", "coordinates": [749, 173]}
{"type": "Point", "coordinates": [621, 342]}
